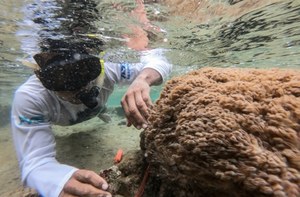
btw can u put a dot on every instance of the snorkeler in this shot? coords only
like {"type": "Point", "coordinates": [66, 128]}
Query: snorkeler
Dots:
{"type": "Point", "coordinates": [68, 88]}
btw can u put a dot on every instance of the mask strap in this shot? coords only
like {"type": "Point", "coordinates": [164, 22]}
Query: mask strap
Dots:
{"type": "Point", "coordinates": [100, 78]}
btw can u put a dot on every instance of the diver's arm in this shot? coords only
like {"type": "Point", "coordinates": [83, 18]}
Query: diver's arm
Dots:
{"type": "Point", "coordinates": [125, 73]}
{"type": "Point", "coordinates": [35, 146]}
{"type": "Point", "coordinates": [136, 100]}
{"type": "Point", "coordinates": [153, 70]}
{"type": "Point", "coordinates": [155, 59]}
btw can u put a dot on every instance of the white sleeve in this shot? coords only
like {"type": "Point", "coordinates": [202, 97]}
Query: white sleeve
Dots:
{"type": "Point", "coordinates": [125, 73]}
{"type": "Point", "coordinates": [155, 59]}
{"type": "Point", "coordinates": [35, 146]}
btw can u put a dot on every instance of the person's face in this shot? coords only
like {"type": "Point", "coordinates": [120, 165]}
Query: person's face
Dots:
{"type": "Point", "coordinates": [72, 96]}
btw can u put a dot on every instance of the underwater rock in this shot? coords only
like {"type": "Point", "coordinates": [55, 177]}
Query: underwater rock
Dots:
{"type": "Point", "coordinates": [123, 178]}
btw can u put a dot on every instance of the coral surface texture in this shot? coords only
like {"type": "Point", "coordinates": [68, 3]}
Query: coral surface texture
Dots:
{"type": "Point", "coordinates": [226, 132]}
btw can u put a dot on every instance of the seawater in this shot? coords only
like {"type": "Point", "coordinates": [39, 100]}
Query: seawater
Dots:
{"type": "Point", "coordinates": [197, 33]}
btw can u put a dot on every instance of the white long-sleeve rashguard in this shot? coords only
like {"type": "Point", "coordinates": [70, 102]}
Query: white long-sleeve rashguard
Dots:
{"type": "Point", "coordinates": [36, 108]}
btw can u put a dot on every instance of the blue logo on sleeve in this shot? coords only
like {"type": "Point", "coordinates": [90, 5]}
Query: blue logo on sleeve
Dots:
{"type": "Point", "coordinates": [33, 120]}
{"type": "Point", "coordinates": [125, 71]}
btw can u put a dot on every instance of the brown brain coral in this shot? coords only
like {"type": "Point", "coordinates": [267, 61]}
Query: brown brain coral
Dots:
{"type": "Point", "coordinates": [227, 132]}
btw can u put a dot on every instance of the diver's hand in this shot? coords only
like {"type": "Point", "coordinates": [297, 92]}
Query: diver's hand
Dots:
{"type": "Point", "coordinates": [136, 100]}
{"type": "Point", "coordinates": [85, 183]}
{"type": "Point", "coordinates": [135, 103]}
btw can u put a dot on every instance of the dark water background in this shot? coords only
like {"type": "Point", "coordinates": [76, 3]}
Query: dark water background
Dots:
{"type": "Point", "coordinates": [263, 38]}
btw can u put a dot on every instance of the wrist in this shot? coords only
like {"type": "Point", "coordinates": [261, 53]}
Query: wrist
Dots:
{"type": "Point", "coordinates": [150, 76]}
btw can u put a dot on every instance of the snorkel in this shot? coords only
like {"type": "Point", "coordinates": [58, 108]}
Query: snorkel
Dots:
{"type": "Point", "coordinates": [89, 97]}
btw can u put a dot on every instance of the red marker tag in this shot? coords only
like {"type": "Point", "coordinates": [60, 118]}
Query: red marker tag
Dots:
{"type": "Point", "coordinates": [118, 156]}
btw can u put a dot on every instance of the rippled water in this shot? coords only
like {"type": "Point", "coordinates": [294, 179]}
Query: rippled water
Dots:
{"type": "Point", "coordinates": [264, 37]}
{"type": "Point", "coordinates": [201, 34]}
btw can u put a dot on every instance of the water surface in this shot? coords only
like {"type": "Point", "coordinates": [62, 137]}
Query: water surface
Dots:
{"type": "Point", "coordinates": [264, 37]}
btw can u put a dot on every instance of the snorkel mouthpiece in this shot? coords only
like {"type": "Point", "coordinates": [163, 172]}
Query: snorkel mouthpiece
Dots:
{"type": "Point", "coordinates": [89, 97]}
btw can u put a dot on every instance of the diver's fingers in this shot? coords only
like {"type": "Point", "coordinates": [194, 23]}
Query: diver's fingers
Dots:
{"type": "Point", "coordinates": [90, 177]}
{"type": "Point", "coordinates": [142, 101]}
{"type": "Point", "coordinates": [77, 188]}
{"type": "Point", "coordinates": [85, 183]}
{"type": "Point", "coordinates": [147, 98]}
{"type": "Point", "coordinates": [131, 110]}
{"type": "Point", "coordinates": [126, 109]}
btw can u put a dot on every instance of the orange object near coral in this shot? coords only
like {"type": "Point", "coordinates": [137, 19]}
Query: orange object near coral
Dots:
{"type": "Point", "coordinates": [118, 156]}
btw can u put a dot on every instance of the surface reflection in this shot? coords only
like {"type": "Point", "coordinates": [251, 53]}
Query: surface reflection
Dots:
{"type": "Point", "coordinates": [243, 36]}
{"type": "Point", "coordinates": [66, 23]}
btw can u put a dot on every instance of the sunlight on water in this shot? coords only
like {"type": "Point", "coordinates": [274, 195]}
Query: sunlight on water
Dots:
{"type": "Point", "coordinates": [266, 37]}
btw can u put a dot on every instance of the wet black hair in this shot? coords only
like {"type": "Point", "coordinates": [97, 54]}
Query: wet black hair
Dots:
{"type": "Point", "coordinates": [66, 70]}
